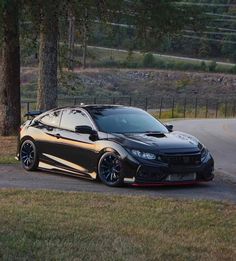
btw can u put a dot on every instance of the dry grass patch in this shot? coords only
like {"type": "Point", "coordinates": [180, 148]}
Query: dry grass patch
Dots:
{"type": "Point", "coordinates": [87, 226]}
{"type": "Point", "coordinates": [8, 147]}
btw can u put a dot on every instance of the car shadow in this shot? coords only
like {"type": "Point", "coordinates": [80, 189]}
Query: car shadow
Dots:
{"type": "Point", "coordinates": [177, 187]}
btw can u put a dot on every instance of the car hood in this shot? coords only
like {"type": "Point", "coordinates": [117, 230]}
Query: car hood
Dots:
{"type": "Point", "coordinates": [176, 141]}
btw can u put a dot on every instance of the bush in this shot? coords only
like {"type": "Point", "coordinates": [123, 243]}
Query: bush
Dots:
{"type": "Point", "coordinates": [109, 63]}
{"type": "Point", "coordinates": [233, 69]}
{"type": "Point", "coordinates": [160, 64]}
{"type": "Point", "coordinates": [148, 60]}
{"type": "Point", "coordinates": [212, 66]}
{"type": "Point", "coordinates": [203, 66]}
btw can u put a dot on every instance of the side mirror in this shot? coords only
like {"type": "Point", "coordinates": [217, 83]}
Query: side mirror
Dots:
{"type": "Point", "coordinates": [84, 129]}
{"type": "Point", "coordinates": [169, 127]}
{"type": "Point", "coordinates": [87, 130]}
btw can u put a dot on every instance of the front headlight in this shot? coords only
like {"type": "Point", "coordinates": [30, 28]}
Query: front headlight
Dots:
{"type": "Point", "coordinates": [143, 155]}
{"type": "Point", "coordinates": [203, 152]}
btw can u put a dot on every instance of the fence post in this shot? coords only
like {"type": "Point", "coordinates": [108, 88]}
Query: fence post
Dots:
{"type": "Point", "coordinates": [234, 108]}
{"type": "Point", "coordinates": [146, 104]}
{"type": "Point", "coordinates": [95, 100]}
{"type": "Point", "coordinates": [130, 100]}
{"type": "Point", "coordinates": [28, 108]}
{"type": "Point", "coordinates": [217, 109]}
{"type": "Point", "coordinates": [113, 100]}
{"type": "Point", "coordinates": [173, 107]}
{"type": "Point", "coordinates": [185, 103]}
{"type": "Point", "coordinates": [196, 103]}
{"type": "Point", "coordinates": [75, 101]}
{"type": "Point", "coordinates": [226, 107]}
{"type": "Point", "coordinates": [206, 108]}
{"type": "Point", "coordinates": [160, 107]}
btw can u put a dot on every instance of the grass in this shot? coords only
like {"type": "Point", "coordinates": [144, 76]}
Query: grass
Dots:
{"type": "Point", "coordinates": [8, 149]}
{"type": "Point", "coordinates": [98, 56]}
{"type": "Point", "coordinates": [44, 225]}
{"type": "Point", "coordinates": [116, 58]}
{"type": "Point", "coordinates": [8, 160]}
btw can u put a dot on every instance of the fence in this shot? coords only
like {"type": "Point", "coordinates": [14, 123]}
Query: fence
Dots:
{"type": "Point", "coordinates": [159, 106]}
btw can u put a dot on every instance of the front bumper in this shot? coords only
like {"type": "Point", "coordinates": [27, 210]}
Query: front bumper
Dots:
{"type": "Point", "coordinates": [156, 174]}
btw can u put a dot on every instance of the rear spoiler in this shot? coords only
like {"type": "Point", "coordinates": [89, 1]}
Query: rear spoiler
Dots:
{"type": "Point", "coordinates": [33, 113]}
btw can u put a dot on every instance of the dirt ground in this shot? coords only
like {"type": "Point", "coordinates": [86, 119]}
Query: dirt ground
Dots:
{"type": "Point", "coordinates": [8, 145]}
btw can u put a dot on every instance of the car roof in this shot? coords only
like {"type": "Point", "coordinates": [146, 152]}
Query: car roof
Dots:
{"type": "Point", "coordinates": [91, 107]}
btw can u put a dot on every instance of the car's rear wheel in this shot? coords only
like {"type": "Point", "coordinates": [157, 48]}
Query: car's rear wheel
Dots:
{"type": "Point", "coordinates": [28, 155]}
{"type": "Point", "coordinates": [110, 169]}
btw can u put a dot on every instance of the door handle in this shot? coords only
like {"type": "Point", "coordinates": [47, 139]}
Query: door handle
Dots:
{"type": "Point", "coordinates": [58, 136]}
{"type": "Point", "coordinates": [49, 128]}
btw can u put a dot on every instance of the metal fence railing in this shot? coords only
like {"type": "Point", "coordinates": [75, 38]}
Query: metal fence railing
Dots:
{"type": "Point", "coordinates": [159, 106]}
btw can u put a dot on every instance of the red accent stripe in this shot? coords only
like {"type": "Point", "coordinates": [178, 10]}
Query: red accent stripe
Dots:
{"type": "Point", "coordinates": [184, 183]}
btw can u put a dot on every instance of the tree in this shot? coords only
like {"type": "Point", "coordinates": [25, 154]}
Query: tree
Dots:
{"type": "Point", "coordinates": [151, 19]}
{"type": "Point", "coordinates": [71, 37]}
{"type": "Point", "coordinates": [48, 47]}
{"type": "Point", "coordinates": [9, 68]}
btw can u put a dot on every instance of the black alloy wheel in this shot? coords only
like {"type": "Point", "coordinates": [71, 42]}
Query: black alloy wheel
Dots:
{"type": "Point", "coordinates": [28, 155]}
{"type": "Point", "coordinates": [110, 169]}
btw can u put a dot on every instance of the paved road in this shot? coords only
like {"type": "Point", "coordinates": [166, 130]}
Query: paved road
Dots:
{"type": "Point", "coordinates": [218, 135]}
{"type": "Point", "coordinates": [13, 176]}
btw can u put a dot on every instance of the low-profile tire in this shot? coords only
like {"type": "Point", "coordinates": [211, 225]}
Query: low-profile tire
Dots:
{"type": "Point", "coordinates": [110, 169]}
{"type": "Point", "coordinates": [28, 155]}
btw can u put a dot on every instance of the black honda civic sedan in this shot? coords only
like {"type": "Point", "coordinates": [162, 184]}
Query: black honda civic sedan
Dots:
{"type": "Point", "coordinates": [114, 144]}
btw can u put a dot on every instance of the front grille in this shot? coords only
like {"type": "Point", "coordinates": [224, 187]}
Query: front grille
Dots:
{"type": "Point", "coordinates": [189, 160]}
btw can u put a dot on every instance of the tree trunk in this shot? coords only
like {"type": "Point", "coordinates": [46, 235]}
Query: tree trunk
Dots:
{"type": "Point", "coordinates": [71, 39]}
{"type": "Point", "coordinates": [47, 83]}
{"type": "Point", "coordinates": [85, 39]}
{"type": "Point", "coordinates": [10, 71]}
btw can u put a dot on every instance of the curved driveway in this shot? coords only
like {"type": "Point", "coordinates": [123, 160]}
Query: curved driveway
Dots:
{"type": "Point", "coordinates": [218, 135]}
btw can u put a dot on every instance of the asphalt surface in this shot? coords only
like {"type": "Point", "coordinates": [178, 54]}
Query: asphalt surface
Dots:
{"type": "Point", "coordinates": [218, 135]}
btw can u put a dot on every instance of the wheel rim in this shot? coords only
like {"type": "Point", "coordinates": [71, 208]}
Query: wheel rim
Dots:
{"type": "Point", "coordinates": [27, 154]}
{"type": "Point", "coordinates": [110, 168]}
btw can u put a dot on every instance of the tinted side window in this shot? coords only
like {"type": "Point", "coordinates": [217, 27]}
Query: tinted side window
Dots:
{"type": "Point", "coordinates": [72, 118]}
{"type": "Point", "coordinates": [51, 119]}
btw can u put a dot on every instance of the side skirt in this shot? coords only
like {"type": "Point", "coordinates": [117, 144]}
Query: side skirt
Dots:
{"type": "Point", "coordinates": [58, 170]}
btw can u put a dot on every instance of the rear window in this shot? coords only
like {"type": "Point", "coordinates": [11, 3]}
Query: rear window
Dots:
{"type": "Point", "coordinates": [52, 119]}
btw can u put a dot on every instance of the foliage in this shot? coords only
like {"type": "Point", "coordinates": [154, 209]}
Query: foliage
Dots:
{"type": "Point", "coordinates": [203, 66]}
{"type": "Point", "coordinates": [212, 66]}
{"type": "Point", "coordinates": [233, 69]}
{"type": "Point", "coordinates": [148, 60]}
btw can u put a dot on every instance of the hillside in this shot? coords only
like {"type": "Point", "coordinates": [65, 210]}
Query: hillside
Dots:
{"type": "Point", "coordinates": [130, 82]}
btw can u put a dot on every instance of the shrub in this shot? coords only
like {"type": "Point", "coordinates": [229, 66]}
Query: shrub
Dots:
{"type": "Point", "coordinates": [148, 60]}
{"type": "Point", "coordinates": [203, 66]}
{"type": "Point", "coordinates": [233, 69]}
{"type": "Point", "coordinates": [160, 64]}
{"type": "Point", "coordinates": [212, 66]}
{"type": "Point", "coordinates": [109, 63]}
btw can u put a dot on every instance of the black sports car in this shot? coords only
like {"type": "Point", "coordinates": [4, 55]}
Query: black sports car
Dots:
{"type": "Point", "coordinates": [115, 144]}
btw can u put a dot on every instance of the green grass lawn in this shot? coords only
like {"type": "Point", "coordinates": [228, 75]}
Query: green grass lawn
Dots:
{"type": "Point", "coordinates": [44, 225]}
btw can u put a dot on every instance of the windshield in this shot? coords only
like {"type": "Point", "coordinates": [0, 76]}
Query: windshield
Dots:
{"type": "Point", "coordinates": [125, 120]}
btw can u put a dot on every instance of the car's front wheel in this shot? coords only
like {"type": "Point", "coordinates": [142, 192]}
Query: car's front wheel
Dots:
{"type": "Point", "coordinates": [28, 155]}
{"type": "Point", "coordinates": [110, 169]}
